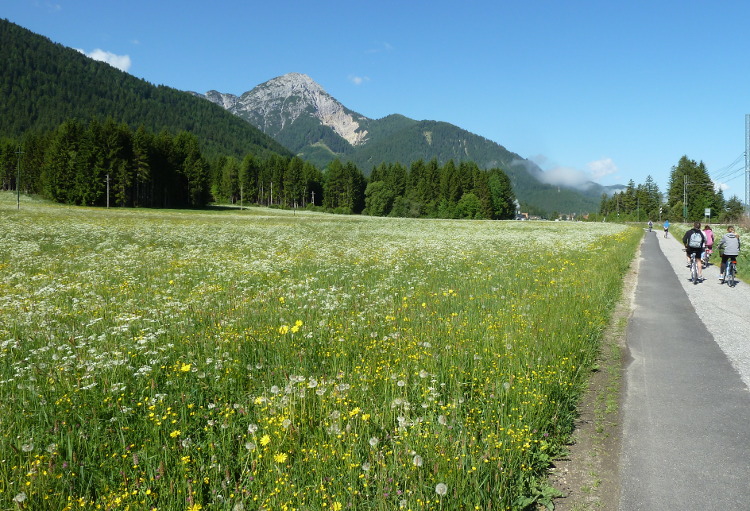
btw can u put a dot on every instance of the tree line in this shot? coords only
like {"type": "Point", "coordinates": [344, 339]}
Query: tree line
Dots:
{"type": "Point", "coordinates": [636, 203]}
{"type": "Point", "coordinates": [690, 192]}
{"type": "Point", "coordinates": [108, 163]}
{"type": "Point", "coordinates": [447, 191]}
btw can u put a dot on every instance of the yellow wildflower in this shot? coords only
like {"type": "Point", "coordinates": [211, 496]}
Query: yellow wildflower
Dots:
{"type": "Point", "coordinates": [280, 457]}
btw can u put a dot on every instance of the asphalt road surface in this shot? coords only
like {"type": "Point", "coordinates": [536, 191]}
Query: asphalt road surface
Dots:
{"type": "Point", "coordinates": [686, 411]}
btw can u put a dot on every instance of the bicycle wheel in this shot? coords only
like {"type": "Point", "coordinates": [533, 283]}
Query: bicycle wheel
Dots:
{"type": "Point", "coordinates": [694, 268]}
{"type": "Point", "coordinates": [730, 274]}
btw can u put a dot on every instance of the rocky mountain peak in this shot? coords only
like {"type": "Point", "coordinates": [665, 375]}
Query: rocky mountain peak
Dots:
{"type": "Point", "coordinates": [279, 102]}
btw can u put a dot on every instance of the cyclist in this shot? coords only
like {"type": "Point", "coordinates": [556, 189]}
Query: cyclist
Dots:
{"type": "Point", "coordinates": [694, 241]}
{"type": "Point", "coordinates": [666, 228]}
{"type": "Point", "coordinates": [729, 248]}
{"type": "Point", "coordinates": [709, 234]}
{"type": "Point", "coordinates": [650, 225]}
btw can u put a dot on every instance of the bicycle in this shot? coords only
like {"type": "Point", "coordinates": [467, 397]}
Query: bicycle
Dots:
{"type": "Point", "coordinates": [731, 271]}
{"type": "Point", "coordinates": [694, 268]}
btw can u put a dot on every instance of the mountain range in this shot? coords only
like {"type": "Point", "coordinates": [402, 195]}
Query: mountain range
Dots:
{"type": "Point", "coordinates": [299, 114]}
{"type": "Point", "coordinates": [44, 84]}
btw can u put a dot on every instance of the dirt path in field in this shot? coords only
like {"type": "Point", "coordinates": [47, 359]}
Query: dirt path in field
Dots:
{"type": "Point", "coordinates": [671, 388]}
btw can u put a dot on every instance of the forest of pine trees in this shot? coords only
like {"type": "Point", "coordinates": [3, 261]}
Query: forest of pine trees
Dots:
{"type": "Point", "coordinates": [105, 163]}
{"type": "Point", "coordinates": [690, 193]}
{"type": "Point", "coordinates": [635, 203]}
{"type": "Point", "coordinates": [450, 191]}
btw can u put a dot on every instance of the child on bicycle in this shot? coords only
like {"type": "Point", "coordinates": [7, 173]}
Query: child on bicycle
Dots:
{"type": "Point", "coordinates": [729, 248]}
{"type": "Point", "coordinates": [709, 234]}
{"type": "Point", "coordinates": [694, 241]}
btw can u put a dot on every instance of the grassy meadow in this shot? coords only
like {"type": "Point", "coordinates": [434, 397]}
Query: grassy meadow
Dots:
{"type": "Point", "coordinates": [266, 360]}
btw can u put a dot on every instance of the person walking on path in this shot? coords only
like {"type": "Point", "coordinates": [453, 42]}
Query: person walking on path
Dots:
{"type": "Point", "coordinates": [694, 241]}
{"type": "Point", "coordinates": [729, 246]}
{"type": "Point", "coordinates": [666, 228]}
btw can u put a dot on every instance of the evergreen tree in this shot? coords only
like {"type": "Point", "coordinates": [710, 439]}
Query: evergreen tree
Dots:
{"type": "Point", "coordinates": [59, 171]}
{"type": "Point", "coordinates": [142, 149]}
{"type": "Point", "coordinates": [248, 178]}
{"type": "Point", "coordinates": [294, 184]}
{"type": "Point", "coordinates": [8, 163]}
{"type": "Point", "coordinates": [690, 180]}
{"type": "Point", "coordinates": [229, 190]}
{"type": "Point", "coordinates": [503, 198]}
{"type": "Point", "coordinates": [313, 179]}
{"type": "Point", "coordinates": [734, 209]}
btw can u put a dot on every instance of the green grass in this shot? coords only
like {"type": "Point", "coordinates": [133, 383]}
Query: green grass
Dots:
{"type": "Point", "coordinates": [268, 360]}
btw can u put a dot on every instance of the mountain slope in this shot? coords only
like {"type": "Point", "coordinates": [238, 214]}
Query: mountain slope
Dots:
{"type": "Point", "coordinates": [298, 113]}
{"type": "Point", "coordinates": [43, 84]}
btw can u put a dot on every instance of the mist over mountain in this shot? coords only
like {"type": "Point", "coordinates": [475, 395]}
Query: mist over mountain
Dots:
{"type": "Point", "coordinates": [299, 114]}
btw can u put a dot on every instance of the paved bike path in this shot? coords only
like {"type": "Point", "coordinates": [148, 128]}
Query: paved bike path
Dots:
{"type": "Point", "coordinates": [686, 411]}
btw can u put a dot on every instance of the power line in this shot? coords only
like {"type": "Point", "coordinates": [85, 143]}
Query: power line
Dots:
{"type": "Point", "coordinates": [729, 169]}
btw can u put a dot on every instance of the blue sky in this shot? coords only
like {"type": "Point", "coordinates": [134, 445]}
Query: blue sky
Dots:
{"type": "Point", "coordinates": [600, 90]}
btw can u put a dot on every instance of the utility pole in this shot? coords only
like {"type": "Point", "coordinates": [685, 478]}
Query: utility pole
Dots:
{"type": "Point", "coordinates": [18, 178]}
{"type": "Point", "coordinates": [684, 197]}
{"type": "Point", "coordinates": [107, 191]}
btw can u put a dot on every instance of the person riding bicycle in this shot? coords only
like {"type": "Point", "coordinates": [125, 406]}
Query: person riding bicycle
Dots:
{"type": "Point", "coordinates": [666, 228]}
{"type": "Point", "coordinates": [650, 225]}
{"type": "Point", "coordinates": [694, 241]}
{"type": "Point", "coordinates": [729, 246]}
{"type": "Point", "coordinates": [709, 234]}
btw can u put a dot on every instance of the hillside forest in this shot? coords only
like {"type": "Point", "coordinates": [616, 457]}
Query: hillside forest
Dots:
{"type": "Point", "coordinates": [689, 195]}
{"type": "Point", "coordinates": [106, 163]}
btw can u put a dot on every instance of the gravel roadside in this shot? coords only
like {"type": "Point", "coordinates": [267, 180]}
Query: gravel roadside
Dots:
{"type": "Point", "coordinates": [723, 310]}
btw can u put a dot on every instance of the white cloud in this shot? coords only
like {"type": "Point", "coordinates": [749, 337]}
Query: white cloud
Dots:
{"type": "Point", "coordinates": [577, 178]}
{"type": "Point", "coordinates": [539, 159]}
{"type": "Point", "coordinates": [601, 168]}
{"type": "Point", "coordinates": [358, 80]}
{"type": "Point", "coordinates": [720, 186]}
{"type": "Point", "coordinates": [566, 176]}
{"type": "Point", "coordinates": [121, 62]}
